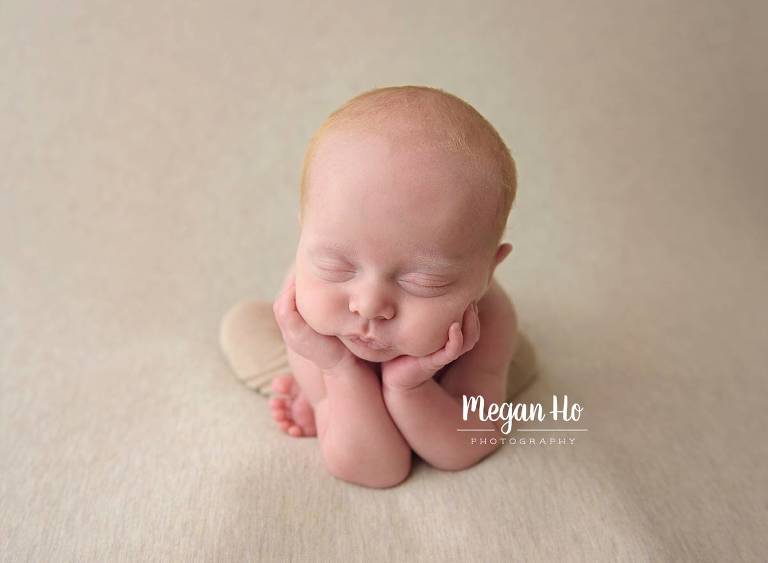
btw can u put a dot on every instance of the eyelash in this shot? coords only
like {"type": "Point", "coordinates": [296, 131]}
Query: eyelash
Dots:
{"type": "Point", "coordinates": [425, 286]}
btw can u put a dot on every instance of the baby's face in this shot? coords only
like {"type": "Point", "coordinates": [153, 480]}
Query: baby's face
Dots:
{"type": "Point", "coordinates": [394, 246]}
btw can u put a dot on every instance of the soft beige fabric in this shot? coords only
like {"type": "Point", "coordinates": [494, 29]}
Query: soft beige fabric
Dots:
{"type": "Point", "coordinates": [149, 162]}
{"type": "Point", "coordinates": [253, 346]}
{"type": "Point", "coordinates": [251, 342]}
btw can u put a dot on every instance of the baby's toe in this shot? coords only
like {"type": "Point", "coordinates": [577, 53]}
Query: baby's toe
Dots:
{"type": "Point", "coordinates": [277, 403]}
{"type": "Point", "coordinates": [282, 384]}
{"type": "Point", "coordinates": [280, 415]}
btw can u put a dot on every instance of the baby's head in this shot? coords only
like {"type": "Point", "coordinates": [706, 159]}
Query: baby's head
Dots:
{"type": "Point", "coordinates": [405, 196]}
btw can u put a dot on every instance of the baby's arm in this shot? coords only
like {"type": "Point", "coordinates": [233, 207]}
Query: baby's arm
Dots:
{"type": "Point", "coordinates": [428, 417]}
{"type": "Point", "coordinates": [429, 414]}
{"type": "Point", "coordinates": [358, 438]}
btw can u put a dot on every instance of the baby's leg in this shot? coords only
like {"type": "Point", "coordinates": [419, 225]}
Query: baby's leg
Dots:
{"type": "Point", "coordinates": [358, 439]}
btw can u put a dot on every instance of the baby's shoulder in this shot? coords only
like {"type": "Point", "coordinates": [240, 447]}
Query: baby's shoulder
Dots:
{"type": "Point", "coordinates": [496, 305]}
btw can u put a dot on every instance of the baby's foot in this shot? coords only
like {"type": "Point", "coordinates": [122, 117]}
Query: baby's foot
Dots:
{"type": "Point", "coordinates": [291, 410]}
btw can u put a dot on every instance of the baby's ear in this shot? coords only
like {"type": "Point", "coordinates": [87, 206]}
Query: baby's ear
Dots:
{"type": "Point", "coordinates": [502, 252]}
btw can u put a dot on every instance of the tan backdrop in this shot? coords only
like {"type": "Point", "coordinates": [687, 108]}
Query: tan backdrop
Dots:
{"type": "Point", "coordinates": [149, 164]}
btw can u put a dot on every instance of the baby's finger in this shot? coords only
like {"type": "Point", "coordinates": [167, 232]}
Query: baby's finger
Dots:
{"type": "Point", "coordinates": [471, 328]}
{"type": "Point", "coordinates": [281, 298]}
{"type": "Point", "coordinates": [286, 313]}
{"type": "Point", "coordinates": [451, 350]}
{"type": "Point", "coordinates": [281, 304]}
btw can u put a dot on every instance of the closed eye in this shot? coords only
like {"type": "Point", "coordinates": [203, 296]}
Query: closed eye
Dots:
{"type": "Point", "coordinates": [427, 280]}
{"type": "Point", "coordinates": [333, 266]}
{"type": "Point", "coordinates": [425, 288]}
{"type": "Point", "coordinates": [427, 284]}
{"type": "Point", "coordinates": [334, 273]}
{"type": "Point", "coordinates": [334, 269]}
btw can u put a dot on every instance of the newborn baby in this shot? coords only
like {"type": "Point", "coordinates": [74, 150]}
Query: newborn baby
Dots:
{"type": "Point", "coordinates": [390, 312]}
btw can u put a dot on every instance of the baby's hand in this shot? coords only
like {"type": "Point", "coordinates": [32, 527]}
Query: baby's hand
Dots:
{"type": "Point", "coordinates": [407, 372]}
{"type": "Point", "coordinates": [325, 351]}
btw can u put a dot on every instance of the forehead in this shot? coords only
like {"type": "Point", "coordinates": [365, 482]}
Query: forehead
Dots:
{"type": "Point", "coordinates": [402, 193]}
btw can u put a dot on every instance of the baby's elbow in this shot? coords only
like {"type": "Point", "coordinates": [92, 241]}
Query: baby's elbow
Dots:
{"type": "Point", "coordinates": [470, 457]}
{"type": "Point", "coordinates": [381, 474]}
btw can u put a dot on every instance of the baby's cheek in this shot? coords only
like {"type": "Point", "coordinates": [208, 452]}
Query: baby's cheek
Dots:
{"type": "Point", "coordinates": [429, 330]}
{"type": "Point", "coordinates": [317, 305]}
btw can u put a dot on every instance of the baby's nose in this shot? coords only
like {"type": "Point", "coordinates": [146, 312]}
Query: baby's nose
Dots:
{"type": "Point", "coordinates": [372, 309]}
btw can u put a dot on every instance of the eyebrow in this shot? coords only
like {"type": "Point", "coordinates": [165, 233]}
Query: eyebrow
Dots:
{"type": "Point", "coordinates": [426, 258]}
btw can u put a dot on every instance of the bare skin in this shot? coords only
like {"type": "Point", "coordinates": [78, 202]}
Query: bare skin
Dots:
{"type": "Point", "coordinates": [390, 250]}
{"type": "Point", "coordinates": [293, 411]}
